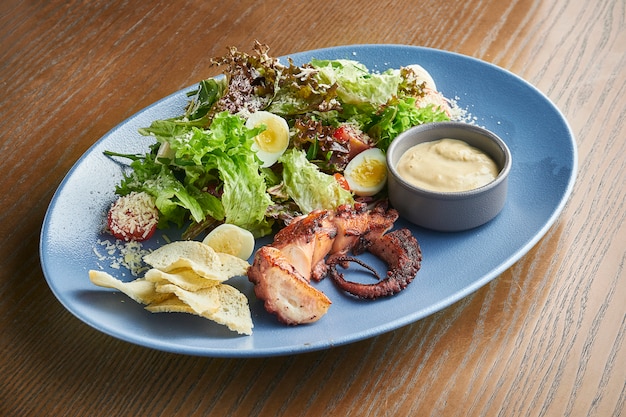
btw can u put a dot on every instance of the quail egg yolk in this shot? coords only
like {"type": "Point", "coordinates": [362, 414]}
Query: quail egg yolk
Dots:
{"type": "Point", "coordinates": [271, 143]}
{"type": "Point", "coordinates": [366, 173]}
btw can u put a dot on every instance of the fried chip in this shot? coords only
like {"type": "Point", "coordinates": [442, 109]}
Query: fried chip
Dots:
{"type": "Point", "coordinates": [234, 311]}
{"type": "Point", "coordinates": [232, 265]}
{"type": "Point", "coordinates": [198, 257]}
{"type": "Point", "coordinates": [140, 290]}
{"type": "Point", "coordinates": [226, 267]}
{"type": "Point", "coordinates": [172, 304]}
{"type": "Point", "coordinates": [205, 300]}
{"type": "Point", "coordinates": [186, 279]}
{"type": "Point", "coordinates": [193, 251]}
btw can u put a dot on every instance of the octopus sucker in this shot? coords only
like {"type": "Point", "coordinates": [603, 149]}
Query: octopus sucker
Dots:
{"type": "Point", "coordinates": [311, 247]}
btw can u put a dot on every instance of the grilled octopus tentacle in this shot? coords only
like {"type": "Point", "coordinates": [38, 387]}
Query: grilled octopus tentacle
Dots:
{"type": "Point", "coordinates": [343, 260]}
{"type": "Point", "coordinates": [312, 246]}
{"type": "Point", "coordinates": [400, 250]}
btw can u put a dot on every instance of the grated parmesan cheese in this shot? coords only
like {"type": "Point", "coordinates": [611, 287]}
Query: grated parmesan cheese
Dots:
{"type": "Point", "coordinates": [120, 254]}
{"type": "Point", "coordinates": [133, 215]}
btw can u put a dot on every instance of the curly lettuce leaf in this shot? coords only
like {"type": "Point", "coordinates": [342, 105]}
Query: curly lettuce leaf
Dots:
{"type": "Point", "coordinates": [173, 199]}
{"type": "Point", "coordinates": [226, 149]}
{"type": "Point", "coordinates": [310, 188]}
{"type": "Point", "coordinates": [356, 85]}
{"type": "Point", "coordinates": [222, 153]}
{"type": "Point", "coordinates": [298, 91]}
{"type": "Point", "coordinates": [400, 115]}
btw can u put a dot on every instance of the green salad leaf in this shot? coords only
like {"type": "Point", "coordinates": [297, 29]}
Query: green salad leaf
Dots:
{"type": "Point", "coordinates": [203, 169]}
{"type": "Point", "coordinates": [219, 155]}
{"type": "Point", "coordinates": [356, 84]}
{"type": "Point", "coordinates": [310, 188]}
{"type": "Point", "coordinates": [173, 199]}
{"type": "Point", "coordinates": [399, 115]}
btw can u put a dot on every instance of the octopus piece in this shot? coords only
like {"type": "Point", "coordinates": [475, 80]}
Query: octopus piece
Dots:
{"type": "Point", "coordinates": [312, 246]}
{"type": "Point", "coordinates": [306, 241]}
{"type": "Point", "coordinates": [399, 249]}
{"type": "Point", "coordinates": [285, 291]}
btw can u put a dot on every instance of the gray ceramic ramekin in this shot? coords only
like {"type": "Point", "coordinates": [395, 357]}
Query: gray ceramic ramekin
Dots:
{"type": "Point", "coordinates": [449, 211]}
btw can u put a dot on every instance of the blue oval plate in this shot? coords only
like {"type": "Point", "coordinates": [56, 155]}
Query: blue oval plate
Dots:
{"type": "Point", "coordinates": [455, 264]}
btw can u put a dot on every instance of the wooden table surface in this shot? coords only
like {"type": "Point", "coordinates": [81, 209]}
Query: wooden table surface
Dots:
{"type": "Point", "coordinates": [545, 338]}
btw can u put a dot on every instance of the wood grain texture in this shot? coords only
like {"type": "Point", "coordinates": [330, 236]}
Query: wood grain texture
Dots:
{"type": "Point", "coordinates": [546, 338]}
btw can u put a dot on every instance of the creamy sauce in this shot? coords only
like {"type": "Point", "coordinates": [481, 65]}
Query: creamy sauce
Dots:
{"type": "Point", "coordinates": [446, 165]}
